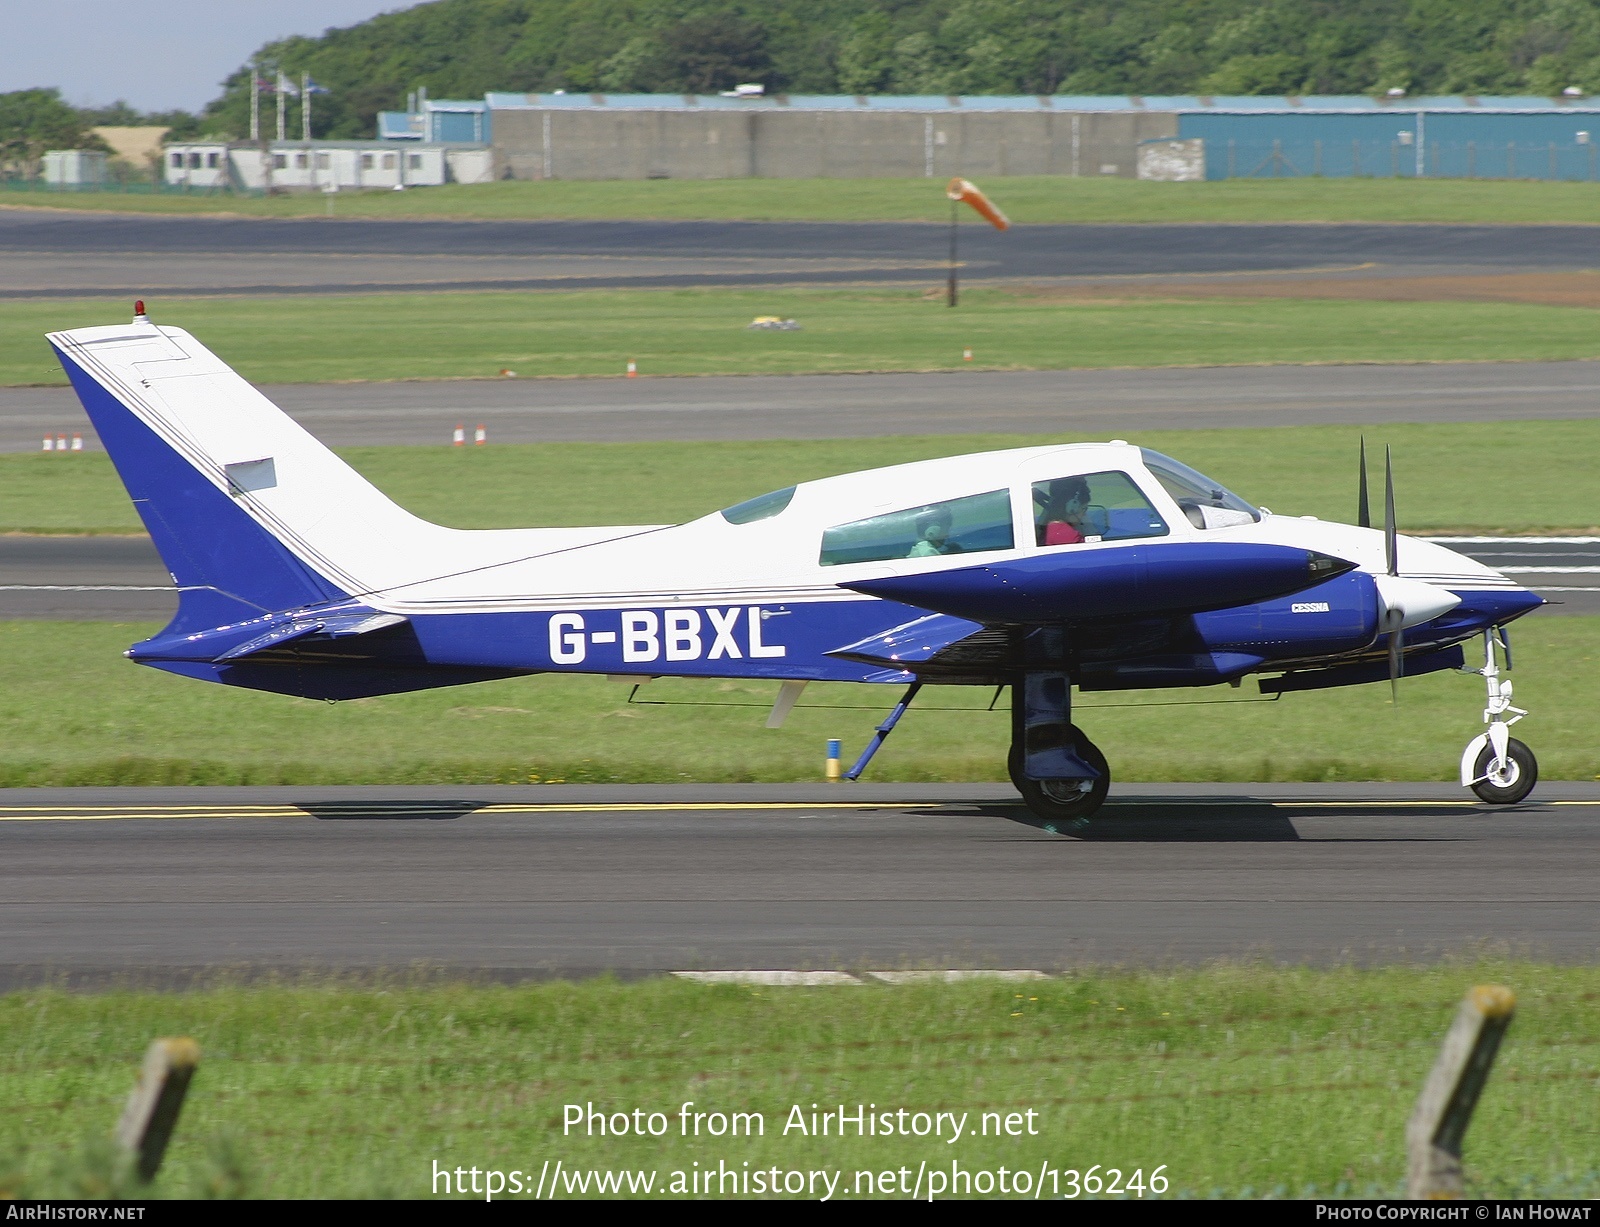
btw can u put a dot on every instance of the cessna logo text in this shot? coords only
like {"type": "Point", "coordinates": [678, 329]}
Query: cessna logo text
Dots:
{"type": "Point", "coordinates": [1309, 607]}
{"type": "Point", "coordinates": [673, 634]}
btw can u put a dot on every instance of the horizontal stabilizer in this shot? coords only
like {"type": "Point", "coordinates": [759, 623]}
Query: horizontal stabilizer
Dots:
{"type": "Point", "coordinates": [225, 644]}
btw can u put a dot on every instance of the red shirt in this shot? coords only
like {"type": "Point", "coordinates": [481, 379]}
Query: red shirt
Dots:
{"type": "Point", "coordinates": [1059, 532]}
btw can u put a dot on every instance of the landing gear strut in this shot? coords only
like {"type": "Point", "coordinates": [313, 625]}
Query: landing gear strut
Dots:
{"type": "Point", "coordinates": [1060, 773]}
{"type": "Point", "coordinates": [1495, 765]}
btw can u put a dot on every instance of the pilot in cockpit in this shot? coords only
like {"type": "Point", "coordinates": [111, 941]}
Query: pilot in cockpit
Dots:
{"type": "Point", "coordinates": [1061, 513]}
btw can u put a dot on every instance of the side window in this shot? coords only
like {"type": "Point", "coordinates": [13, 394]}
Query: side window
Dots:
{"type": "Point", "coordinates": [177, 161]}
{"type": "Point", "coordinates": [211, 161]}
{"type": "Point", "coordinates": [973, 525]}
{"type": "Point", "coordinates": [1093, 507]}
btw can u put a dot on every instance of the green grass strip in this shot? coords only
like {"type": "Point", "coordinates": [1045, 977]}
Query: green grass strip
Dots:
{"type": "Point", "coordinates": [315, 339]}
{"type": "Point", "coordinates": [1026, 199]}
{"type": "Point", "coordinates": [74, 712]}
{"type": "Point", "coordinates": [1498, 477]}
{"type": "Point", "coordinates": [1242, 1080]}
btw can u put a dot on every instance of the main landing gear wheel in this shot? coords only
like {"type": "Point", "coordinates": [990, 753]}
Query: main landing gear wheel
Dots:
{"type": "Point", "coordinates": [1064, 800]}
{"type": "Point", "coordinates": [1511, 785]}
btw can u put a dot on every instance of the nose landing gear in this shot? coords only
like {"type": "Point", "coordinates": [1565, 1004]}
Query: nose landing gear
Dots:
{"type": "Point", "coordinates": [1495, 765]}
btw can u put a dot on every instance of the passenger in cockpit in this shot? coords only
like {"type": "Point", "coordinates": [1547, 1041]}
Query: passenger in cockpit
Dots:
{"type": "Point", "coordinates": [1062, 520]}
{"type": "Point", "coordinates": [933, 534]}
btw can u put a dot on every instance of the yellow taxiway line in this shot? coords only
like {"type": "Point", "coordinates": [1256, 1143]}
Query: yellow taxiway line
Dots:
{"type": "Point", "coordinates": [93, 813]}
{"type": "Point", "coordinates": [355, 809]}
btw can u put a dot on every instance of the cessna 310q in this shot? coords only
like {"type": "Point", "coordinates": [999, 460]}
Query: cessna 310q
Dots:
{"type": "Point", "coordinates": [1099, 566]}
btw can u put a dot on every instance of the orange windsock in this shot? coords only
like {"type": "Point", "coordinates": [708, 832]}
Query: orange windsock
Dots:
{"type": "Point", "coordinates": [960, 189]}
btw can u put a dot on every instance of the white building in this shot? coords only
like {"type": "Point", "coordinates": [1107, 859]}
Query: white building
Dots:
{"type": "Point", "coordinates": [73, 167]}
{"type": "Point", "coordinates": [308, 166]}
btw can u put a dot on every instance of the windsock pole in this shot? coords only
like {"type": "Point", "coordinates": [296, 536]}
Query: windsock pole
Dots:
{"type": "Point", "coordinates": [960, 191]}
{"type": "Point", "coordinates": [951, 293]}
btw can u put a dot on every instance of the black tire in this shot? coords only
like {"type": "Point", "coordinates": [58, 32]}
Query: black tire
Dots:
{"type": "Point", "coordinates": [1064, 800]}
{"type": "Point", "coordinates": [1522, 773]}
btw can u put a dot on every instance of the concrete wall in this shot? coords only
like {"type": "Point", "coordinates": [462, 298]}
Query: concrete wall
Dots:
{"type": "Point", "coordinates": [593, 143]}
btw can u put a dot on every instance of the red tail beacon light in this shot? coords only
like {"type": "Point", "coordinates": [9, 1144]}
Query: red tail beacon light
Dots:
{"type": "Point", "coordinates": [139, 317]}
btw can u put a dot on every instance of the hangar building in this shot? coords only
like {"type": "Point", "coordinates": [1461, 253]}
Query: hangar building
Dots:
{"type": "Point", "coordinates": [642, 136]}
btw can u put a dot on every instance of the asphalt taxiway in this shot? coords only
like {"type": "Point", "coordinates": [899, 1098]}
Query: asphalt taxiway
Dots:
{"type": "Point", "coordinates": [146, 884]}
{"type": "Point", "coordinates": [60, 253]}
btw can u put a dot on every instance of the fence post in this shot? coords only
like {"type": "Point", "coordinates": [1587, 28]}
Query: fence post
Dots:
{"type": "Point", "coordinates": [152, 1112]}
{"type": "Point", "coordinates": [1355, 159]}
{"type": "Point", "coordinates": [1444, 1109]}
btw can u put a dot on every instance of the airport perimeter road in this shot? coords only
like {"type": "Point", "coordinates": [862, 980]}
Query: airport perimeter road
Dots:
{"type": "Point", "coordinates": [120, 579]}
{"type": "Point", "coordinates": [1083, 402]}
{"type": "Point", "coordinates": [647, 879]}
{"type": "Point", "coordinates": [54, 253]}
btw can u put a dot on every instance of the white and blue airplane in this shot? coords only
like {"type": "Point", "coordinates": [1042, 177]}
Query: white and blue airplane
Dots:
{"type": "Point", "coordinates": [1096, 566]}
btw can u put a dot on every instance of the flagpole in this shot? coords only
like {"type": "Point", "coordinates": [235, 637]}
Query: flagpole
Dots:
{"type": "Point", "coordinates": [282, 81]}
{"type": "Point", "coordinates": [305, 107]}
{"type": "Point", "coordinates": [255, 101]}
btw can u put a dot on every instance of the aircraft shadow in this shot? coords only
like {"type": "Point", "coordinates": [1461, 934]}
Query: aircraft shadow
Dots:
{"type": "Point", "coordinates": [1247, 821]}
{"type": "Point", "coordinates": [389, 811]}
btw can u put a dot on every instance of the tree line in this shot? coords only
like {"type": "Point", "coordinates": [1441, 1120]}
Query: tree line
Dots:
{"type": "Point", "coordinates": [464, 48]}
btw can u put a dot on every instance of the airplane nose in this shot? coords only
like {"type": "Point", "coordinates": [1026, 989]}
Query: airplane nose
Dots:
{"type": "Point", "coordinates": [1412, 601]}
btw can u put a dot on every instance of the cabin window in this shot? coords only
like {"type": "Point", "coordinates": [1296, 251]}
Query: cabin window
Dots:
{"type": "Point", "coordinates": [1205, 503]}
{"type": "Point", "coordinates": [323, 162]}
{"type": "Point", "coordinates": [177, 161]}
{"type": "Point", "coordinates": [211, 161]}
{"type": "Point", "coordinates": [415, 161]}
{"type": "Point", "coordinates": [366, 161]}
{"type": "Point", "coordinates": [194, 161]}
{"type": "Point", "coordinates": [977, 524]}
{"type": "Point", "coordinates": [280, 161]}
{"type": "Point", "coordinates": [388, 161]}
{"type": "Point", "coordinates": [762, 507]}
{"type": "Point", "coordinates": [301, 161]}
{"type": "Point", "coordinates": [1092, 507]}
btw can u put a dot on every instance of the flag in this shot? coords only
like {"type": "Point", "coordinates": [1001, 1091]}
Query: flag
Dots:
{"type": "Point", "coordinates": [311, 87]}
{"type": "Point", "coordinates": [286, 86]}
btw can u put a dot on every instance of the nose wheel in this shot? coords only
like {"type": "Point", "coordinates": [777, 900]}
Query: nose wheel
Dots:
{"type": "Point", "coordinates": [1508, 781]}
{"type": "Point", "coordinates": [1495, 765]}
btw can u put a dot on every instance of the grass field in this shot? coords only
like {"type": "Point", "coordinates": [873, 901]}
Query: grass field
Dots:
{"type": "Point", "coordinates": [1241, 1080]}
{"type": "Point", "coordinates": [699, 332]}
{"type": "Point", "coordinates": [74, 712]}
{"type": "Point", "coordinates": [1026, 199]}
{"type": "Point", "coordinates": [1545, 475]}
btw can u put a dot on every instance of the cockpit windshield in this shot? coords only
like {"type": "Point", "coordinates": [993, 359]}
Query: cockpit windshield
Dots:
{"type": "Point", "coordinates": [1206, 503]}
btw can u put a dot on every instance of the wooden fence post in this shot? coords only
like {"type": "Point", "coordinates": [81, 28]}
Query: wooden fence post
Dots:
{"type": "Point", "coordinates": [1444, 1109]}
{"type": "Point", "coordinates": [152, 1112]}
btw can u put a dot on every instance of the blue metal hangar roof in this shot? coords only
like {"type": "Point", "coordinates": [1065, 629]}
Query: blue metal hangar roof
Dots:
{"type": "Point", "coordinates": [1338, 104]}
